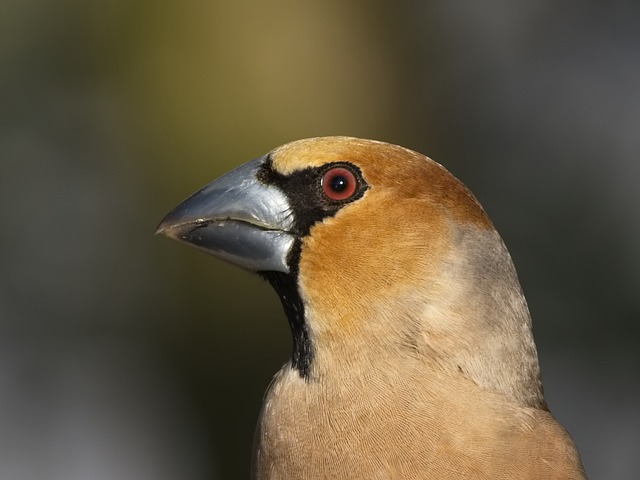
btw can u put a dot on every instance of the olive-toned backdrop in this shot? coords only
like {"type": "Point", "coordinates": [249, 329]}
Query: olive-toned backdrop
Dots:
{"type": "Point", "coordinates": [127, 356]}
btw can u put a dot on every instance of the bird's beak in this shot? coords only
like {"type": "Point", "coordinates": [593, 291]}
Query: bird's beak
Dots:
{"type": "Point", "coordinates": [236, 218]}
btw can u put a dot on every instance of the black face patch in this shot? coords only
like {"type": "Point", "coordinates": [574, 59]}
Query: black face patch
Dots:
{"type": "Point", "coordinates": [309, 205]}
{"type": "Point", "coordinates": [306, 196]}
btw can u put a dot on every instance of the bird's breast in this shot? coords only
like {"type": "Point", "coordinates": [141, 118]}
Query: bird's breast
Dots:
{"type": "Point", "coordinates": [387, 426]}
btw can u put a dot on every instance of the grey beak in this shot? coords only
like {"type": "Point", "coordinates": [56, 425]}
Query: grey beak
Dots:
{"type": "Point", "coordinates": [236, 218]}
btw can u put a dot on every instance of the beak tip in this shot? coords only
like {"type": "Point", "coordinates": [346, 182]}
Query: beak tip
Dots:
{"type": "Point", "coordinates": [164, 226]}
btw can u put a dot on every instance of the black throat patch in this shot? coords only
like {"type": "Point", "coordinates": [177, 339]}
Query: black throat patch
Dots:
{"type": "Point", "coordinates": [286, 286]}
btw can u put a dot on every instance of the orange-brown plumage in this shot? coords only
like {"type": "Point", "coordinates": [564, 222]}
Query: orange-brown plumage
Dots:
{"type": "Point", "coordinates": [413, 353]}
{"type": "Point", "coordinates": [409, 174]}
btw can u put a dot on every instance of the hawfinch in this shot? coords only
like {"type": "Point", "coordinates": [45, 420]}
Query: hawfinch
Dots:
{"type": "Point", "coordinates": [413, 356]}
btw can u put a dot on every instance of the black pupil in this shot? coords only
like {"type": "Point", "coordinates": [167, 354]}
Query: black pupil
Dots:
{"type": "Point", "coordinates": [339, 183]}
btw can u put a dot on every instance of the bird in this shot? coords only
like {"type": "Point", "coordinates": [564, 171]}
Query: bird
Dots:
{"type": "Point", "coordinates": [413, 355]}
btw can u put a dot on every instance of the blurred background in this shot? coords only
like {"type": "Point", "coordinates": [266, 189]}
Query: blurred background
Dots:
{"type": "Point", "coordinates": [128, 356]}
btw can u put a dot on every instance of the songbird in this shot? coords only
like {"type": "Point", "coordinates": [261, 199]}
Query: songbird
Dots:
{"type": "Point", "coordinates": [413, 356]}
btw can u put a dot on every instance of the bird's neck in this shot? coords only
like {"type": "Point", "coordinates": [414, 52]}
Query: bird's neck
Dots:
{"type": "Point", "coordinates": [473, 322]}
{"type": "Point", "coordinates": [480, 324]}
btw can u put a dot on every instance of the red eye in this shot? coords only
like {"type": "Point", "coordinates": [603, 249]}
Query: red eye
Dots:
{"type": "Point", "coordinates": [339, 183]}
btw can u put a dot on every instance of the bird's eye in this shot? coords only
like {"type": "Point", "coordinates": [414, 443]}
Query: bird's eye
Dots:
{"type": "Point", "coordinates": [339, 183]}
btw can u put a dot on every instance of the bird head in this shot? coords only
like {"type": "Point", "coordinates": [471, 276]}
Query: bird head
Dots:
{"type": "Point", "coordinates": [379, 255]}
